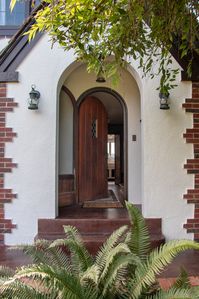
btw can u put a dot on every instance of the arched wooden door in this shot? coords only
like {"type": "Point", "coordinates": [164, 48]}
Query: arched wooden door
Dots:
{"type": "Point", "coordinates": [92, 152]}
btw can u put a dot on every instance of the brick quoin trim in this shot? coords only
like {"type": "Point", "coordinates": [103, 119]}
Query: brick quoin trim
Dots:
{"type": "Point", "coordinates": [7, 105]}
{"type": "Point", "coordinates": [192, 165]}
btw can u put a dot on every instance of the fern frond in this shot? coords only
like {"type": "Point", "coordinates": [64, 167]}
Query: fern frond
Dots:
{"type": "Point", "coordinates": [36, 251]}
{"type": "Point", "coordinates": [41, 243]}
{"type": "Point", "coordinates": [145, 274]}
{"type": "Point", "coordinates": [41, 252]}
{"type": "Point", "coordinates": [72, 233]}
{"type": "Point", "coordinates": [195, 291]}
{"type": "Point", "coordinates": [139, 242]}
{"type": "Point", "coordinates": [6, 272]}
{"type": "Point", "coordinates": [55, 256]}
{"type": "Point", "coordinates": [59, 279]}
{"type": "Point", "coordinates": [182, 281]}
{"type": "Point", "coordinates": [87, 292]}
{"type": "Point", "coordinates": [81, 259]}
{"type": "Point", "coordinates": [110, 243]}
{"type": "Point", "coordinates": [117, 271]}
{"type": "Point", "coordinates": [18, 290]}
{"type": "Point", "coordinates": [91, 275]}
{"type": "Point", "coordinates": [119, 249]}
{"type": "Point", "coordinates": [174, 294]}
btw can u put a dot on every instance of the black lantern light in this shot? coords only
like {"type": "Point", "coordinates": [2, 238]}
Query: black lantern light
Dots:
{"type": "Point", "coordinates": [34, 98]}
{"type": "Point", "coordinates": [100, 76]}
{"type": "Point", "coordinates": [101, 73]}
{"type": "Point", "coordinates": [164, 101]}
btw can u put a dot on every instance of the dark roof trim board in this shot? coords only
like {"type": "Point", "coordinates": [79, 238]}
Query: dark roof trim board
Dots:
{"type": "Point", "coordinates": [9, 76]}
{"type": "Point", "coordinates": [16, 50]}
{"type": "Point", "coordinates": [8, 31]}
{"type": "Point", "coordinates": [184, 62]}
{"type": "Point", "coordinates": [19, 47]}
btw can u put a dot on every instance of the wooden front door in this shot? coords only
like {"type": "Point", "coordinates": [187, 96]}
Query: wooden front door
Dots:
{"type": "Point", "coordinates": [92, 153]}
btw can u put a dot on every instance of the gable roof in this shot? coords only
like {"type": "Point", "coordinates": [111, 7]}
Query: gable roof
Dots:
{"type": "Point", "coordinates": [16, 50]}
{"type": "Point", "coordinates": [19, 46]}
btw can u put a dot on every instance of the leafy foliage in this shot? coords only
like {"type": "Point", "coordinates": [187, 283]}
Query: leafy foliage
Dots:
{"type": "Point", "coordinates": [139, 233]}
{"type": "Point", "coordinates": [122, 268]}
{"type": "Point", "coordinates": [108, 33]}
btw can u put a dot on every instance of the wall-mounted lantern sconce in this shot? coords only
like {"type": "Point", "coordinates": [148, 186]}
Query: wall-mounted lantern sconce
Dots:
{"type": "Point", "coordinates": [164, 101]}
{"type": "Point", "coordinates": [33, 101]}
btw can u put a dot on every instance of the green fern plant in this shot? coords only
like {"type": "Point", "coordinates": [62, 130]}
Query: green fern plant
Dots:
{"type": "Point", "coordinates": [123, 268]}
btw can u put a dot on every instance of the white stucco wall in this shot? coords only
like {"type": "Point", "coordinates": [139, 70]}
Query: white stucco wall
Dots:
{"type": "Point", "coordinates": [3, 42]}
{"type": "Point", "coordinates": [65, 134]}
{"type": "Point", "coordinates": [35, 148]}
{"type": "Point", "coordinates": [165, 153]}
{"type": "Point", "coordinates": [156, 173]}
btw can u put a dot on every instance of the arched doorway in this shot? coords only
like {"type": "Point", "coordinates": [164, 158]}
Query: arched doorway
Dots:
{"type": "Point", "coordinates": [92, 149]}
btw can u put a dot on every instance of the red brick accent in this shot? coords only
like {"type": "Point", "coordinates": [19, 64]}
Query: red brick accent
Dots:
{"type": "Point", "coordinates": [192, 165]}
{"type": "Point", "coordinates": [7, 105]}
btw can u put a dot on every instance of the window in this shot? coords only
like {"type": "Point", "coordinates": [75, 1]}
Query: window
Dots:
{"type": "Point", "coordinates": [37, 2]}
{"type": "Point", "coordinates": [14, 18]}
{"type": "Point", "coordinates": [10, 21]}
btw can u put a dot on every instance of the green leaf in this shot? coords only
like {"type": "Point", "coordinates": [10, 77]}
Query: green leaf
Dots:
{"type": "Point", "coordinates": [12, 4]}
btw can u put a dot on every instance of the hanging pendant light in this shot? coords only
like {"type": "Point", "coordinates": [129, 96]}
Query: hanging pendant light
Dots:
{"type": "Point", "coordinates": [100, 76]}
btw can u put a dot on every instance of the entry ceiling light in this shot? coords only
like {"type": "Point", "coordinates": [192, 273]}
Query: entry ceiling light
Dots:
{"type": "Point", "coordinates": [33, 101]}
{"type": "Point", "coordinates": [100, 76]}
{"type": "Point", "coordinates": [164, 101]}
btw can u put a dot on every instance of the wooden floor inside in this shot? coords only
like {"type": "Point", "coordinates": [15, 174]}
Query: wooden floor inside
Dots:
{"type": "Point", "coordinates": [115, 198]}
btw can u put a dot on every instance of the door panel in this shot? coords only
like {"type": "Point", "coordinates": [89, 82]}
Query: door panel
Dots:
{"type": "Point", "coordinates": [92, 155]}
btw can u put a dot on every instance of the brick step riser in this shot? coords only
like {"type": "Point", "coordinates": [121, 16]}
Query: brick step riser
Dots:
{"type": "Point", "coordinates": [94, 245]}
{"type": "Point", "coordinates": [97, 226]}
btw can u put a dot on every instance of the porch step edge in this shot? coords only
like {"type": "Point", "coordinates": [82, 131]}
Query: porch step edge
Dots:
{"type": "Point", "coordinates": [94, 242]}
{"type": "Point", "coordinates": [93, 225]}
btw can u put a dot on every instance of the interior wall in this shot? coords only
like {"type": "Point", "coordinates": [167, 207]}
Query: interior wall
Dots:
{"type": "Point", "coordinates": [65, 134]}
